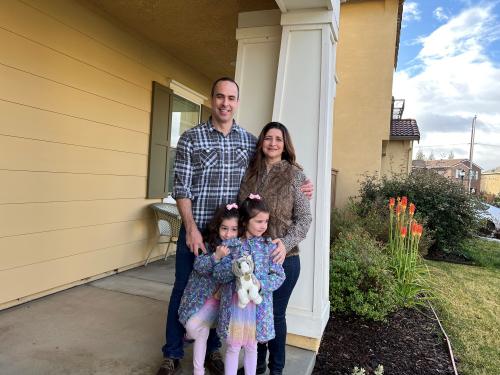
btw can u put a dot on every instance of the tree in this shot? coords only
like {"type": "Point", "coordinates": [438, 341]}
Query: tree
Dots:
{"type": "Point", "coordinates": [420, 155]}
{"type": "Point", "coordinates": [431, 156]}
{"type": "Point", "coordinates": [451, 155]}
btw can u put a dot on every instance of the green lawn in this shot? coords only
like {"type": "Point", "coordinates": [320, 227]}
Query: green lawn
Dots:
{"type": "Point", "coordinates": [468, 303]}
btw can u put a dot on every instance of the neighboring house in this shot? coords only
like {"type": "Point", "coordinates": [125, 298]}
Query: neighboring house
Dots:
{"type": "Point", "coordinates": [397, 151]}
{"type": "Point", "coordinates": [490, 181]}
{"type": "Point", "coordinates": [366, 141]}
{"type": "Point", "coordinates": [455, 169]}
{"type": "Point", "coordinates": [87, 139]}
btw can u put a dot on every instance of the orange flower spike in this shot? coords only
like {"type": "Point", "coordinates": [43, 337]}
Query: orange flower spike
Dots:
{"type": "Point", "coordinates": [420, 230]}
{"type": "Point", "coordinates": [392, 202]}
{"type": "Point", "coordinates": [398, 209]}
{"type": "Point", "coordinates": [414, 228]}
{"type": "Point", "coordinates": [403, 232]}
{"type": "Point", "coordinates": [404, 202]}
{"type": "Point", "coordinates": [411, 210]}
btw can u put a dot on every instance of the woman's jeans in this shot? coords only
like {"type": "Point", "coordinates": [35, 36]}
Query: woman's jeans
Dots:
{"type": "Point", "coordinates": [281, 296]}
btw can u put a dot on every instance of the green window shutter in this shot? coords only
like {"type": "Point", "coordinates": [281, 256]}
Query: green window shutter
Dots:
{"type": "Point", "coordinates": [205, 113]}
{"type": "Point", "coordinates": [159, 139]}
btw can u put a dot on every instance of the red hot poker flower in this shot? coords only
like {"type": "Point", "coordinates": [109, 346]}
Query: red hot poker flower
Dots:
{"type": "Point", "coordinates": [414, 228]}
{"type": "Point", "coordinates": [411, 210]}
{"type": "Point", "coordinates": [392, 202]}
{"type": "Point", "coordinates": [403, 232]}
{"type": "Point", "coordinates": [404, 202]}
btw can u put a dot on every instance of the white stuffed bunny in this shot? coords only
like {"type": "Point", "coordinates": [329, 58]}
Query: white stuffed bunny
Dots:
{"type": "Point", "coordinates": [246, 282]}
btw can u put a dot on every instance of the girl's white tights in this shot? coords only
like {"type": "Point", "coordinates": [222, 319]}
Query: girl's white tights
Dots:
{"type": "Point", "coordinates": [249, 359]}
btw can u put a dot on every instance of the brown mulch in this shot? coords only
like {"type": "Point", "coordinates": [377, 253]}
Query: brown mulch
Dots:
{"type": "Point", "coordinates": [410, 342]}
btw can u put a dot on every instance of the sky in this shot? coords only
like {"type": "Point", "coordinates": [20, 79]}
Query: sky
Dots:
{"type": "Point", "coordinates": [449, 71]}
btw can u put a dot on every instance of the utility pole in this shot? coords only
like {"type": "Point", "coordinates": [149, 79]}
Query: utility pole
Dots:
{"type": "Point", "coordinates": [471, 152]}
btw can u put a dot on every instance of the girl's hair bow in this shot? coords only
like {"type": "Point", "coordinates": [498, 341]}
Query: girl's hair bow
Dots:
{"type": "Point", "coordinates": [254, 196]}
{"type": "Point", "coordinates": [231, 206]}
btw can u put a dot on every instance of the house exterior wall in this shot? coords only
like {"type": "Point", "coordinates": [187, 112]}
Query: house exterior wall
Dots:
{"type": "Point", "coordinates": [490, 182]}
{"type": "Point", "coordinates": [396, 158]}
{"type": "Point", "coordinates": [365, 66]}
{"type": "Point", "coordinates": [75, 100]}
{"type": "Point", "coordinates": [475, 182]}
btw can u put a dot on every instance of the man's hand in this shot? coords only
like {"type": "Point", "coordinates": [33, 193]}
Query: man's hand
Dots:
{"type": "Point", "coordinates": [279, 253]}
{"type": "Point", "coordinates": [307, 188]}
{"type": "Point", "coordinates": [194, 241]}
{"type": "Point", "coordinates": [221, 251]}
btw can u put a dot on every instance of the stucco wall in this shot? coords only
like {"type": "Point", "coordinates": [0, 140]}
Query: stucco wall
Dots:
{"type": "Point", "coordinates": [396, 158]}
{"type": "Point", "coordinates": [365, 66]}
{"type": "Point", "coordinates": [490, 183]}
{"type": "Point", "coordinates": [75, 99]}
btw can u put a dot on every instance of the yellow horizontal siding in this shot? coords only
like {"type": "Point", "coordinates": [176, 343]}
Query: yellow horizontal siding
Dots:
{"type": "Point", "coordinates": [21, 87]}
{"type": "Point", "coordinates": [18, 219]}
{"type": "Point", "coordinates": [34, 155]}
{"type": "Point", "coordinates": [47, 246]}
{"type": "Point", "coordinates": [75, 96]}
{"type": "Point", "coordinates": [28, 122]}
{"type": "Point", "coordinates": [122, 40]}
{"type": "Point", "coordinates": [28, 187]}
{"type": "Point", "coordinates": [36, 25]}
{"type": "Point", "coordinates": [34, 58]}
{"type": "Point", "coordinates": [20, 281]}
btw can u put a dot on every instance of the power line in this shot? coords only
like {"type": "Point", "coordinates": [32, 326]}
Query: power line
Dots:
{"type": "Point", "coordinates": [458, 144]}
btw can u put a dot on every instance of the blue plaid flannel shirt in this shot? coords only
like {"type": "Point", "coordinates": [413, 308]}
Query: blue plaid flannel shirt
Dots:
{"type": "Point", "coordinates": [209, 167]}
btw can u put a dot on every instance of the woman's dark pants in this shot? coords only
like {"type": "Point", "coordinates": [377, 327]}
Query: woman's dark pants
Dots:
{"type": "Point", "coordinates": [280, 302]}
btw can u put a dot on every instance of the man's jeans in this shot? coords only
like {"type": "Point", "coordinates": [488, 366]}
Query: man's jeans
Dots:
{"type": "Point", "coordinates": [281, 296]}
{"type": "Point", "coordinates": [174, 347]}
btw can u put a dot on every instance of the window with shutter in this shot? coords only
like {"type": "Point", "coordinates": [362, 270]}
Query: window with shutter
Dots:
{"type": "Point", "coordinates": [171, 115]}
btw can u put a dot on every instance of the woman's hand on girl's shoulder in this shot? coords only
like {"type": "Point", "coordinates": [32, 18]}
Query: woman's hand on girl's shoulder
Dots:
{"type": "Point", "coordinates": [307, 188]}
{"type": "Point", "coordinates": [279, 253]}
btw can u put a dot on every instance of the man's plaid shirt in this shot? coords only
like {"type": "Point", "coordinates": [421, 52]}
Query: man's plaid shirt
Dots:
{"type": "Point", "coordinates": [209, 167]}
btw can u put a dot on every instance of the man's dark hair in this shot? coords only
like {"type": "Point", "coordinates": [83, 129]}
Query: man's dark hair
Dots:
{"type": "Point", "coordinates": [224, 79]}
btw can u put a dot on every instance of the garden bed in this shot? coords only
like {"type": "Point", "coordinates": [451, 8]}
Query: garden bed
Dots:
{"type": "Point", "coordinates": [409, 342]}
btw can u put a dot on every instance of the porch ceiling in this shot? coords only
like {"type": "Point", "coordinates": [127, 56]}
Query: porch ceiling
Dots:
{"type": "Point", "coordinates": [201, 33]}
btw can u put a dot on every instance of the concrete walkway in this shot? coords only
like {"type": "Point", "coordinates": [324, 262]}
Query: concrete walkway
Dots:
{"type": "Point", "coordinates": [111, 326]}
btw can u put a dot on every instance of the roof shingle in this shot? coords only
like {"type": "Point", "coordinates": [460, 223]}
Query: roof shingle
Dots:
{"type": "Point", "coordinates": [402, 129]}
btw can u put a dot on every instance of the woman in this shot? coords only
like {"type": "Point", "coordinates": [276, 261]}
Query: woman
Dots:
{"type": "Point", "coordinates": [274, 174]}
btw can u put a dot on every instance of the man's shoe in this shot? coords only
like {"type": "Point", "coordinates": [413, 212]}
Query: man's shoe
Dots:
{"type": "Point", "coordinates": [214, 363]}
{"type": "Point", "coordinates": [261, 368]}
{"type": "Point", "coordinates": [169, 366]}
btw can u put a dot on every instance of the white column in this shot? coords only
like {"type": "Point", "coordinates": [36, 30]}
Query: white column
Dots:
{"type": "Point", "coordinates": [303, 101]}
{"type": "Point", "coordinates": [259, 37]}
{"type": "Point", "coordinates": [287, 73]}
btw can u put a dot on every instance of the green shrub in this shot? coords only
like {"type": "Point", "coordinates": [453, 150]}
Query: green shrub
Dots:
{"type": "Point", "coordinates": [374, 220]}
{"type": "Point", "coordinates": [449, 214]}
{"type": "Point", "coordinates": [360, 278]}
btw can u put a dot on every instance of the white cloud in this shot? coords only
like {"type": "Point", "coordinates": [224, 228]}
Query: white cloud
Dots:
{"type": "Point", "coordinates": [451, 80]}
{"type": "Point", "coordinates": [410, 13]}
{"type": "Point", "coordinates": [440, 14]}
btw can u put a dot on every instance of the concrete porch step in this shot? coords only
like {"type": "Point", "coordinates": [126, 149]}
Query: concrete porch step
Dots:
{"type": "Point", "coordinates": [110, 326]}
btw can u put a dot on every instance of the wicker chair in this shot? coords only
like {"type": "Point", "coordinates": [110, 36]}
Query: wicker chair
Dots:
{"type": "Point", "coordinates": [168, 222]}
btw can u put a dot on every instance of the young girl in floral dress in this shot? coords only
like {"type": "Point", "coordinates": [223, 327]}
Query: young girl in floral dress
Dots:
{"type": "Point", "coordinates": [199, 306]}
{"type": "Point", "coordinates": [244, 328]}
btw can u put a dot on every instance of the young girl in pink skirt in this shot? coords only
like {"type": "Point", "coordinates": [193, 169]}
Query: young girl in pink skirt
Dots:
{"type": "Point", "coordinates": [245, 327]}
{"type": "Point", "coordinates": [199, 306]}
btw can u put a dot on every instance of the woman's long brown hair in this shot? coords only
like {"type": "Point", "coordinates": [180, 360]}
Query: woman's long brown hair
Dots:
{"type": "Point", "coordinates": [259, 158]}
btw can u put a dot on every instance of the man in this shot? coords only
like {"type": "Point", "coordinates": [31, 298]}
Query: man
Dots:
{"type": "Point", "coordinates": [211, 160]}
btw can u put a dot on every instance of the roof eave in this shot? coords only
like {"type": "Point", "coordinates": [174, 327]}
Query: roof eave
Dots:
{"type": "Point", "coordinates": [404, 138]}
